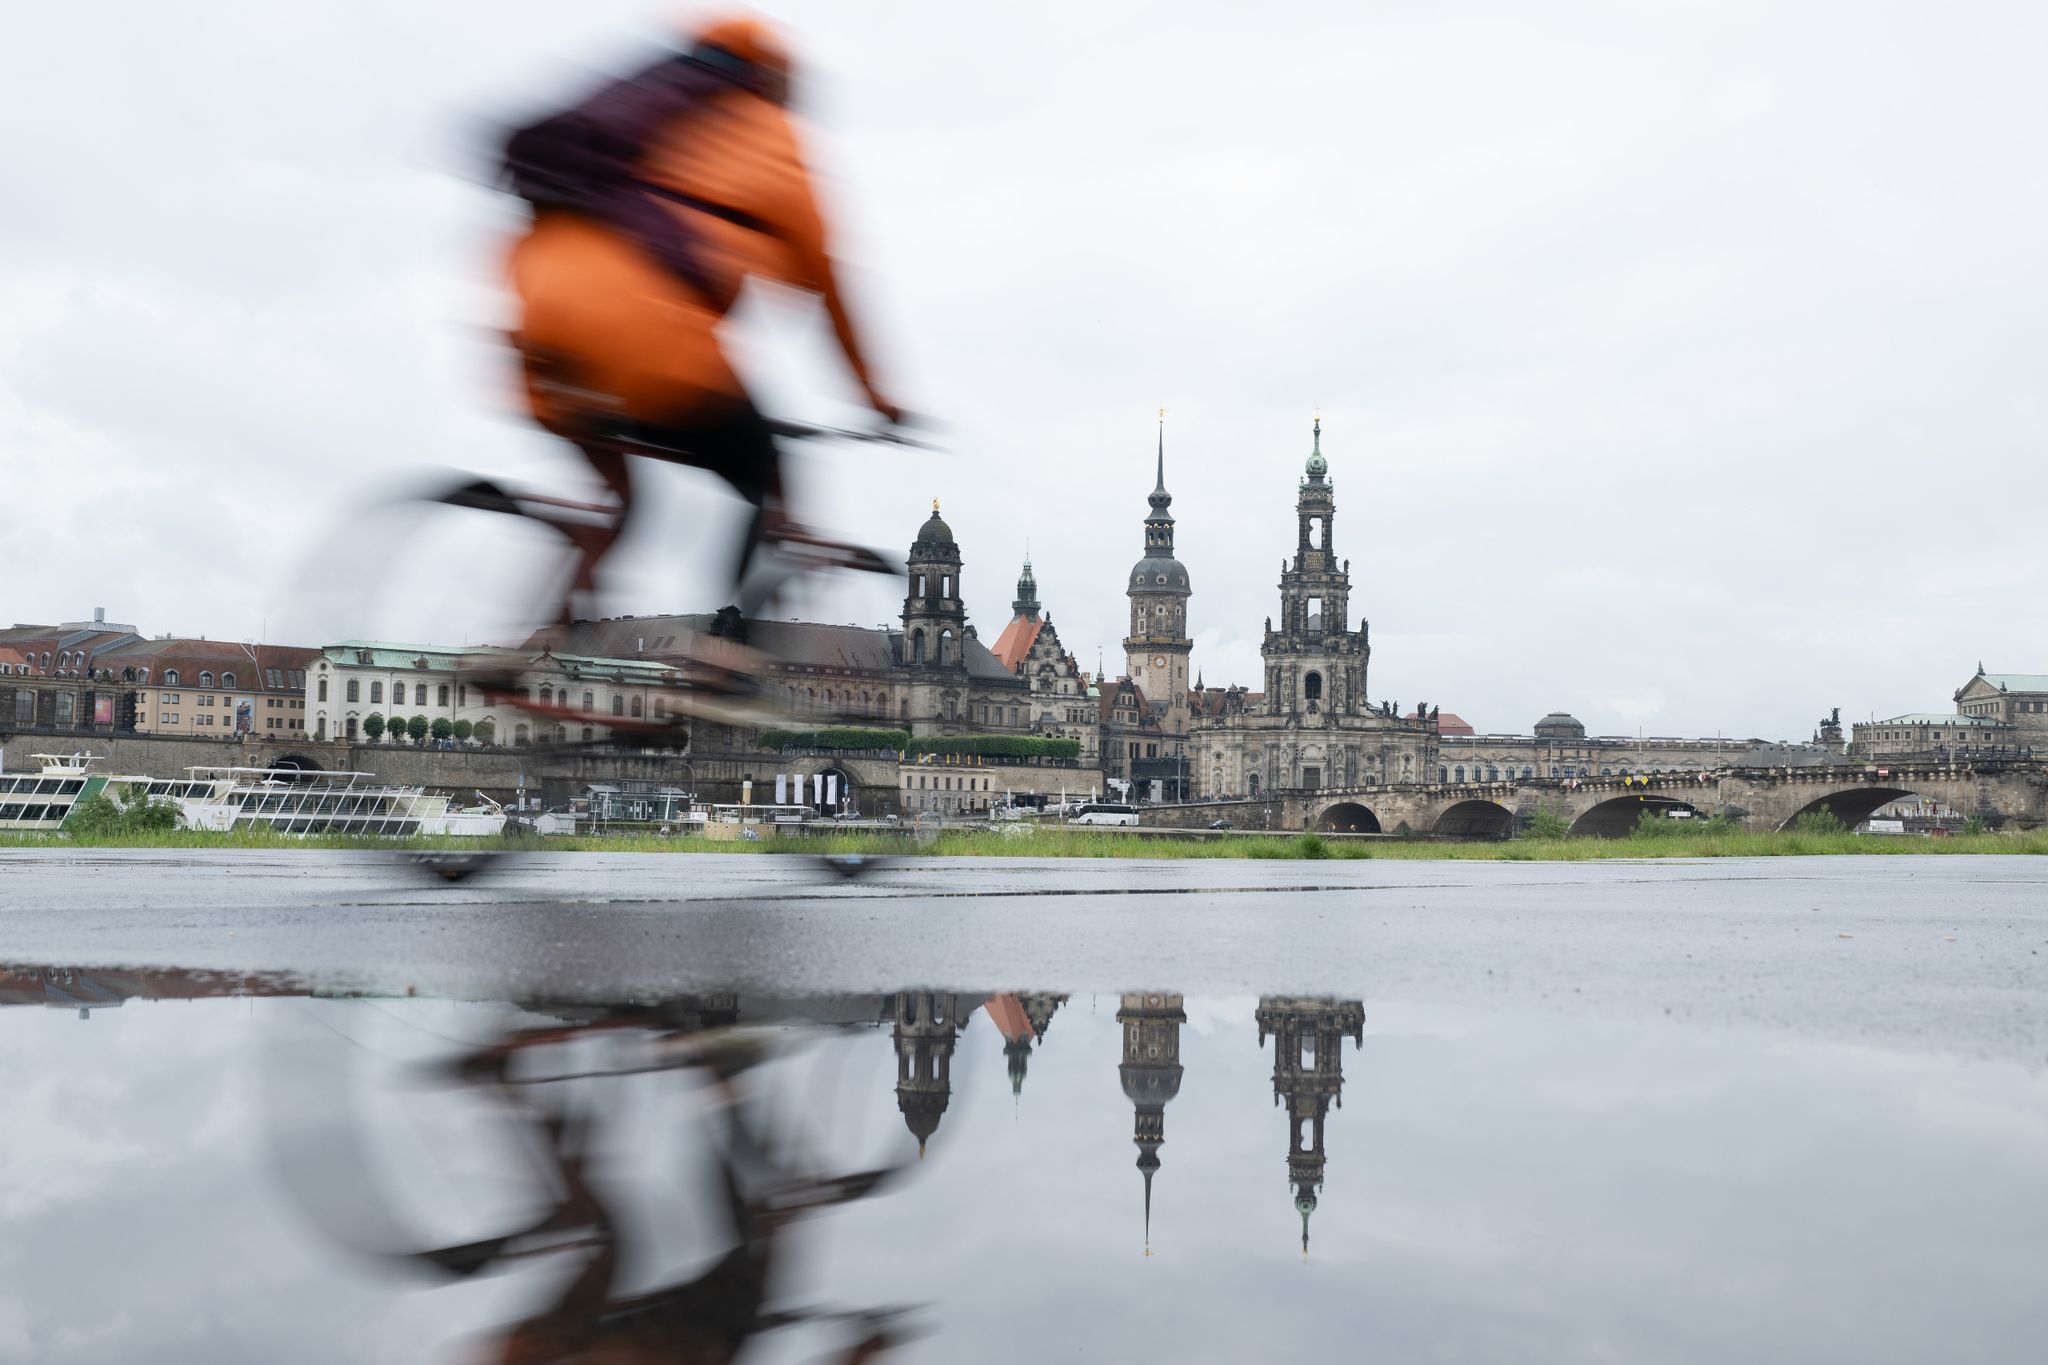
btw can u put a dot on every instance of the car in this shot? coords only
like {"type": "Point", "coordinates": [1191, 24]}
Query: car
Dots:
{"type": "Point", "coordinates": [1221, 824]}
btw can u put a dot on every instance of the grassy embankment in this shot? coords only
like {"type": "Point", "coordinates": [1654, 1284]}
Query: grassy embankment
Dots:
{"type": "Point", "coordinates": [1680, 842]}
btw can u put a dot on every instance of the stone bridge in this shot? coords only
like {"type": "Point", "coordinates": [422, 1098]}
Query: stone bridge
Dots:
{"type": "Point", "coordinates": [2001, 794]}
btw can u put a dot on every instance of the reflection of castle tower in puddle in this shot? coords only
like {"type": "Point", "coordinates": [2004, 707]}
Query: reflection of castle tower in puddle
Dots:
{"type": "Point", "coordinates": [926, 1024]}
{"type": "Point", "coordinates": [1151, 1076]}
{"type": "Point", "coordinates": [1022, 1020]}
{"type": "Point", "coordinates": [1308, 1074]}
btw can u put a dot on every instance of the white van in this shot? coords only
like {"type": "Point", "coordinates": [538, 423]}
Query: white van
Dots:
{"type": "Point", "coordinates": [1102, 813]}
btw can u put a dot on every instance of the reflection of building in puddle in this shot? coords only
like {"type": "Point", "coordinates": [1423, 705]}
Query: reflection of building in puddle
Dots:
{"type": "Point", "coordinates": [1308, 1076]}
{"type": "Point", "coordinates": [1022, 1020]}
{"type": "Point", "coordinates": [926, 1024]}
{"type": "Point", "coordinates": [1151, 1076]}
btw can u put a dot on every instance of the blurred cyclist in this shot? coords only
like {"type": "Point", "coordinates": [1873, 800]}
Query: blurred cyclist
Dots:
{"type": "Point", "coordinates": [653, 202]}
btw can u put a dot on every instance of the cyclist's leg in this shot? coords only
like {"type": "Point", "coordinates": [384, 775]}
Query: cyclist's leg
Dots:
{"type": "Point", "coordinates": [594, 540]}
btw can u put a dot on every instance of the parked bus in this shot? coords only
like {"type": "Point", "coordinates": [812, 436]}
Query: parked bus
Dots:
{"type": "Point", "coordinates": [1105, 813]}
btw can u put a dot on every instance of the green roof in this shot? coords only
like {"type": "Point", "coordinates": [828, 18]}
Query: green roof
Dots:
{"type": "Point", "coordinates": [384, 654]}
{"type": "Point", "coordinates": [1937, 718]}
{"type": "Point", "coordinates": [2017, 682]}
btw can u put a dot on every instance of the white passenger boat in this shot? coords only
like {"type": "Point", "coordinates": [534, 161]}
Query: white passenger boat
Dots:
{"type": "Point", "coordinates": [295, 801]}
{"type": "Point", "coordinates": [40, 802]}
{"type": "Point", "coordinates": [289, 800]}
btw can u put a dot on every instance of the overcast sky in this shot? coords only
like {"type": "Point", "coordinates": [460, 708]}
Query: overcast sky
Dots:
{"type": "Point", "coordinates": [1679, 364]}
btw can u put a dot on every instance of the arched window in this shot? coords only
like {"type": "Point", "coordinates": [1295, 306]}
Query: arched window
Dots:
{"type": "Point", "coordinates": [589, 704]}
{"type": "Point", "coordinates": [586, 733]}
{"type": "Point", "coordinates": [619, 704]}
{"type": "Point", "coordinates": [441, 693]}
{"type": "Point", "coordinates": [376, 691]}
{"type": "Point", "coordinates": [519, 733]}
{"type": "Point", "coordinates": [1312, 686]}
{"type": "Point", "coordinates": [322, 690]}
{"type": "Point", "coordinates": [916, 649]}
{"type": "Point", "coordinates": [205, 678]}
{"type": "Point", "coordinates": [142, 675]}
{"type": "Point", "coordinates": [1461, 772]}
{"type": "Point", "coordinates": [1527, 771]}
{"type": "Point", "coordinates": [946, 654]}
{"type": "Point", "coordinates": [351, 727]}
{"type": "Point", "coordinates": [547, 695]}
{"type": "Point", "coordinates": [1443, 774]}
{"type": "Point", "coordinates": [419, 694]}
{"type": "Point", "coordinates": [354, 690]}
{"type": "Point", "coordinates": [636, 706]}
{"type": "Point", "coordinates": [906, 708]}
{"type": "Point", "coordinates": [227, 680]}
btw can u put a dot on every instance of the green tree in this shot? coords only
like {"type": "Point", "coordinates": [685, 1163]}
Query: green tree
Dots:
{"type": "Point", "coordinates": [417, 728]}
{"type": "Point", "coordinates": [463, 730]}
{"type": "Point", "coordinates": [1820, 820]}
{"type": "Point", "coordinates": [130, 810]}
{"type": "Point", "coordinates": [486, 731]}
{"type": "Point", "coordinates": [1546, 824]}
{"type": "Point", "coordinates": [443, 728]}
{"type": "Point", "coordinates": [373, 726]}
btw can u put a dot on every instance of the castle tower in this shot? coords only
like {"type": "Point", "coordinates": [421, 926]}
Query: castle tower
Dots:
{"type": "Point", "coordinates": [1315, 665]}
{"type": "Point", "coordinates": [1026, 603]}
{"type": "Point", "coordinates": [1151, 1075]}
{"type": "Point", "coordinates": [934, 616]}
{"type": "Point", "coordinates": [1308, 1077]}
{"type": "Point", "coordinates": [925, 1027]}
{"type": "Point", "coordinates": [1156, 651]}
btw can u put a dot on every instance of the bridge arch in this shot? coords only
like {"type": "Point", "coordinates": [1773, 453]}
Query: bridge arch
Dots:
{"type": "Point", "coordinates": [298, 763]}
{"type": "Point", "coordinates": [1477, 819]}
{"type": "Point", "coordinates": [1616, 817]}
{"type": "Point", "coordinates": [1348, 817]}
{"type": "Point", "coordinates": [1851, 805]}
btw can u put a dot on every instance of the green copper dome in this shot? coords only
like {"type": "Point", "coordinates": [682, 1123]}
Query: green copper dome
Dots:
{"type": "Point", "coordinates": [1317, 465]}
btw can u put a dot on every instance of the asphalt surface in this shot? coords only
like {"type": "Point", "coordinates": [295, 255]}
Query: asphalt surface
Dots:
{"type": "Point", "coordinates": [1939, 953]}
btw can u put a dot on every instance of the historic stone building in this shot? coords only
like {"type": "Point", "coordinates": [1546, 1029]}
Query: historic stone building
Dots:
{"type": "Point", "coordinates": [1314, 724]}
{"type": "Point", "coordinates": [1559, 747]}
{"type": "Point", "coordinates": [1308, 1077]}
{"type": "Point", "coordinates": [1997, 715]}
{"type": "Point", "coordinates": [1063, 699]}
{"type": "Point", "coordinates": [930, 675]}
{"type": "Point", "coordinates": [1147, 713]}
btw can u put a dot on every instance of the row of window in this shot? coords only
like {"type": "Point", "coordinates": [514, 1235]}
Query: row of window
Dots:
{"type": "Point", "coordinates": [354, 692]}
{"type": "Point", "coordinates": [943, 782]}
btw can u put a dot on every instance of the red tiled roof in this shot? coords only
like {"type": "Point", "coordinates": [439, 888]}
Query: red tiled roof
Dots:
{"type": "Point", "coordinates": [1016, 640]}
{"type": "Point", "coordinates": [1448, 723]}
{"type": "Point", "coordinates": [1007, 1013]}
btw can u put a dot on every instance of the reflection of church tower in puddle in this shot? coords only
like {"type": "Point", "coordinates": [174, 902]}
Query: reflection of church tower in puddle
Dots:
{"type": "Point", "coordinates": [1308, 1074]}
{"type": "Point", "coordinates": [1151, 1076]}
{"type": "Point", "coordinates": [926, 1024]}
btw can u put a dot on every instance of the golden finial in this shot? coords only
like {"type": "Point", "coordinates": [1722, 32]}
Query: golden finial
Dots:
{"type": "Point", "coordinates": [1162, 414]}
{"type": "Point", "coordinates": [935, 506]}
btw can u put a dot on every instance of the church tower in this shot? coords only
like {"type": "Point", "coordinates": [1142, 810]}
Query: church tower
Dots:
{"type": "Point", "coordinates": [1151, 1075]}
{"type": "Point", "coordinates": [1156, 651]}
{"type": "Point", "coordinates": [1315, 665]}
{"type": "Point", "coordinates": [934, 616]}
{"type": "Point", "coordinates": [1308, 1077]}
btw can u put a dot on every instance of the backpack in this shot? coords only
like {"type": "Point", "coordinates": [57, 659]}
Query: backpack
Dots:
{"type": "Point", "coordinates": [586, 159]}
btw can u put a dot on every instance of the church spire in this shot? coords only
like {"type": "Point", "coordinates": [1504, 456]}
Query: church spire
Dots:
{"type": "Point", "coordinates": [1027, 591]}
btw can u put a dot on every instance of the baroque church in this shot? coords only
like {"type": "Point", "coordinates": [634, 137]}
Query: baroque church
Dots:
{"type": "Point", "coordinates": [1314, 725]}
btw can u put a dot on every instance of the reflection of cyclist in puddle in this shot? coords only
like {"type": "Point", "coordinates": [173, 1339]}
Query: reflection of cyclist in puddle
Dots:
{"type": "Point", "coordinates": [654, 201]}
{"type": "Point", "coordinates": [544, 1078]}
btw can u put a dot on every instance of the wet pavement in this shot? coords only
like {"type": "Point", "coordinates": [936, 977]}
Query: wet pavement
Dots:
{"type": "Point", "coordinates": [320, 1106]}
